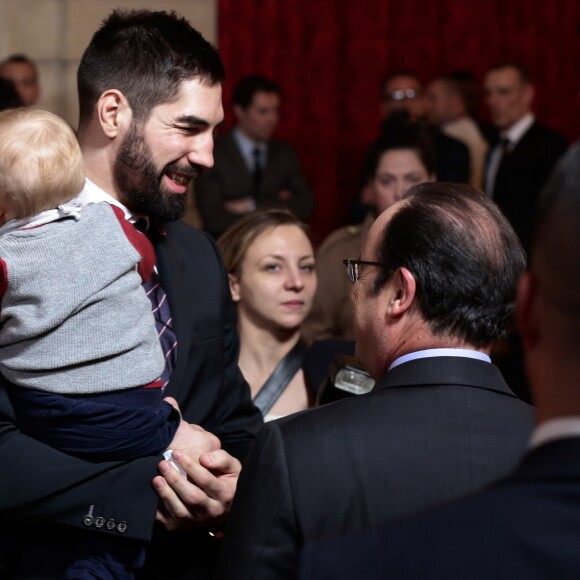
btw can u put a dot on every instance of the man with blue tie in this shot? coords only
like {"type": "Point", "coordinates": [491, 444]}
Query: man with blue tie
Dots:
{"type": "Point", "coordinates": [252, 169]}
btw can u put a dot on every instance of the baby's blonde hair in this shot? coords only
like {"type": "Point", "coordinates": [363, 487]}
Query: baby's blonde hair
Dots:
{"type": "Point", "coordinates": [41, 165]}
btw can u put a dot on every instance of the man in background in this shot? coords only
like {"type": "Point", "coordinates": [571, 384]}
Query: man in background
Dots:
{"type": "Point", "coordinates": [22, 71]}
{"type": "Point", "coordinates": [527, 525]}
{"type": "Point", "coordinates": [403, 91]}
{"type": "Point", "coordinates": [521, 161]}
{"type": "Point", "coordinates": [252, 169]}
{"type": "Point", "coordinates": [447, 109]}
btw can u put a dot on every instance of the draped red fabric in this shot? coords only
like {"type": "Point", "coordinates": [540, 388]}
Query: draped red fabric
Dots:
{"type": "Point", "coordinates": [329, 57]}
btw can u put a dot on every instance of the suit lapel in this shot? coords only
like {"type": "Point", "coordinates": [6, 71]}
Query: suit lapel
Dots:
{"type": "Point", "coordinates": [235, 161]}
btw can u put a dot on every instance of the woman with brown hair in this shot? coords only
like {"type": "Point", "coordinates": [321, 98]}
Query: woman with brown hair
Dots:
{"type": "Point", "coordinates": [270, 262]}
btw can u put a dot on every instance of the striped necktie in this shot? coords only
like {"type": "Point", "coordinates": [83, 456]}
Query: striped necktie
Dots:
{"type": "Point", "coordinates": [162, 316]}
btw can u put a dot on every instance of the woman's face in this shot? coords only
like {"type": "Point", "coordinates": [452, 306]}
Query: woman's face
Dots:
{"type": "Point", "coordinates": [278, 280]}
{"type": "Point", "coordinates": [397, 171]}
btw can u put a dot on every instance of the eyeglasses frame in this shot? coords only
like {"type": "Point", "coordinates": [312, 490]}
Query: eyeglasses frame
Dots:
{"type": "Point", "coordinates": [352, 268]}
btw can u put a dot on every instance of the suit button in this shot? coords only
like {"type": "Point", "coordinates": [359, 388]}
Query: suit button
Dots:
{"type": "Point", "coordinates": [88, 521]}
{"type": "Point", "coordinates": [111, 524]}
{"type": "Point", "coordinates": [122, 527]}
{"type": "Point", "coordinates": [99, 522]}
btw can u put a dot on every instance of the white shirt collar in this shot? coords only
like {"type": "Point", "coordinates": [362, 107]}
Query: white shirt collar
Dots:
{"type": "Point", "coordinates": [435, 352]}
{"type": "Point", "coordinates": [517, 130]}
{"type": "Point", "coordinates": [92, 193]}
{"type": "Point", "coordinates": [553, 429]}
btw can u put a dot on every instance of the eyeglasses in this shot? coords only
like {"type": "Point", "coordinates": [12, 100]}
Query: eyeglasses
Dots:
{"type": "Point", "coordinates": [401, 95]}
{"type": "Point", "coordinates": [353, 270]}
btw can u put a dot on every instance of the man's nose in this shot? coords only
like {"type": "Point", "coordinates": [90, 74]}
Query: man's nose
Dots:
{"type": "Point", "coordinates": [202, 153]}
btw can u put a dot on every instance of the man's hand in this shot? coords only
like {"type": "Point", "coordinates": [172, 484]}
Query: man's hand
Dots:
{"type": "Point", "coordinates": [192, 439]}
{"type": "Point", "coordinates": [204, 498]}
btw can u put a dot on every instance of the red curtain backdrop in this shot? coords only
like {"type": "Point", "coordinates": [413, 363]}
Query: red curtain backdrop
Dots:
{"type": "Point", "coordinates": [329, 57]}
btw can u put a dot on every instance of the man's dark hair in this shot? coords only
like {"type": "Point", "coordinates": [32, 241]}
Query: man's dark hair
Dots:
{"type": "Point", "coordinates": [146, 55]}
{"type": "Point", "coordinates": [19, 59]}
{"type": "Point", "coordinates": [465, 258]}
{"type": "Point", "coordinates": [9, 97]}
{"type": "Point", "coordinates": [399, 132]}
{"type": "Point", "coordinates": [247, 87]}
{"type": "Point", "coordinates": [523, 72]}
{"type": "Point", "coordinates": [468, 87]}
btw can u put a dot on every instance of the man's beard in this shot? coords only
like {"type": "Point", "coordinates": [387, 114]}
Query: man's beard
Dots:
{"type": "Point", "coordinates": [140, 181]}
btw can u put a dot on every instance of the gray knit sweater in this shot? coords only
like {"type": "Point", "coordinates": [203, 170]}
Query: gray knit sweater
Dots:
{"type": "Point", "coordinates": [74, 318]}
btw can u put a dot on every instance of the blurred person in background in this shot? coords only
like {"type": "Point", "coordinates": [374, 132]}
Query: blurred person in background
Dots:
{"type": "Point", "coordinates": [401, 158]}
{"type": "Point", "coordinates": [22, 71]}
{"type": "Point", "coordinates": [252, 169]}
{"type": "Point", "coordinates": [448, 110]}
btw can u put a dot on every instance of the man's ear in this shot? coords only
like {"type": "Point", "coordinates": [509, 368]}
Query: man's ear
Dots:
{"type": "Point", "coordinates": [114, 113]}
{"type": "Point", "coordinates": [525, 307]}
{"type": "Point", "coordinates": [234, 287]}
{"type": "Point", "coordinates": [402, 292]}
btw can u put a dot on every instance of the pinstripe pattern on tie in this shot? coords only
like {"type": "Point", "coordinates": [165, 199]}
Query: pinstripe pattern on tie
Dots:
{"type": "Point", "coordinates": [163, 324]}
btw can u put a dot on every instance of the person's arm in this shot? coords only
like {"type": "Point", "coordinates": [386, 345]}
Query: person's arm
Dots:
{"type": "Point", "coordinates": [232, 417]}
{"type": "Point", "coordinates": [212, 206]}
{"type": "Point", "coordinates": [42, 483]}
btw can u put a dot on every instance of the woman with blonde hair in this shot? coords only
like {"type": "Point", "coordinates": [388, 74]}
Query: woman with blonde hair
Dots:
{"type": "Point", "coordinates": [270, 263]}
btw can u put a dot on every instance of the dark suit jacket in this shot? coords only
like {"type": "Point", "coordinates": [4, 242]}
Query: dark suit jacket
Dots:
{"type": "Point", "coordinates": [522, 175]}
{"type": "Point", "coordinates": [431, 430]}
{"type": "Point", "coordinates": [527, 526]}
{"type": "Point", "coordinates": [451, 158]}
{"type": "Point", "coordinates": [230, 179]}
{"type": "Point", "coordinates": [45, 494]}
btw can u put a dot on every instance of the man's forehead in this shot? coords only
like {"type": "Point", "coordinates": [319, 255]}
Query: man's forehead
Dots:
{"type": "Point", "coordinates": [402, 82]}
{"type": "Point", "coordinates": [195, 95]}
{"type": "Point", "coordinates": [263, 97]}
{"type": "Point", "coordinates": [377, 230]}
{"type": "Point", "coordinates": [504, 76]}
{"type": "Point", "coordinates": [22, 67]}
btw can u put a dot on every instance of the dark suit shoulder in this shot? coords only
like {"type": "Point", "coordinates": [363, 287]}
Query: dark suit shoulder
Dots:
{"type": "Point", "coordinates": [195, 244]}
{"type": "Point", "coordinates": [547, 144]}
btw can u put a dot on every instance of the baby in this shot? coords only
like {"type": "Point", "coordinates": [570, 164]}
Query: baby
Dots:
{"type": "Point", "coordinates": [77, 335]}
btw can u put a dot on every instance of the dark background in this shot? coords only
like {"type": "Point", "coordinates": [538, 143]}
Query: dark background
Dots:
{"type": "Point", "coordinates": [329, 56]}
